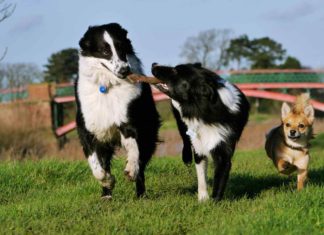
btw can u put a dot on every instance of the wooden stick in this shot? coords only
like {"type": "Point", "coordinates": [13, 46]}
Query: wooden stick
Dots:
{"type": "Point", "coordinates": [141, 78]}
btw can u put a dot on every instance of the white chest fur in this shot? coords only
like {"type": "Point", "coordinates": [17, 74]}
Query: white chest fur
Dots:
{"type": "Point", "coordinates": [103, 111]}
{"type": "Point", "coordinates": [204, 137]}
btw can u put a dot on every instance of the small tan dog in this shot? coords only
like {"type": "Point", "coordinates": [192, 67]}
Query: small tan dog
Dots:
{"type": "Point", "coordinates": [288, 144]}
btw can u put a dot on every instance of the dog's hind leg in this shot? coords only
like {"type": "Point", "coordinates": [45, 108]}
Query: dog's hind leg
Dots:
{"type": "Point", "coordinates": [186, 150]}
{"type": "Point", "coordinates": [201, 169]}
{"type": "Point", "coordinates": [222, 161]}
{"type": "Point", "coordinates": [99, 162]}
{"type": "Point", "coordinates": [140, 180]}
{"type": "Point", "coordinates": [146, 149]}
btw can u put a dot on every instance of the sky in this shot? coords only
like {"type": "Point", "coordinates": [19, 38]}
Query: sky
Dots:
{"type": "Point", "coordinates": [158, 29]}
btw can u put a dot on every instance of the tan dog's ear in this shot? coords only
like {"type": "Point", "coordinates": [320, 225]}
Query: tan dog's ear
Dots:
{"type": "Point", "coordinates": [309, 112]}
{"type": "Point", "coordinates": [285, 109]}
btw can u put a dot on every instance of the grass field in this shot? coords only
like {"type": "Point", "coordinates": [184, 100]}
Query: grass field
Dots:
{"type": "Point", "coordinates": [62, 197]}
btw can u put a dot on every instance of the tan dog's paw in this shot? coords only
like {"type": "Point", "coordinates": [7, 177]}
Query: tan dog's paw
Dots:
{"type": "Point", "coordinates": [286, 168]}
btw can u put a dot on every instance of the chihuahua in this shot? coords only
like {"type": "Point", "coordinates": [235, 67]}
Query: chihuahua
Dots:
{"type": "Point", "coordinates": [288, 145]}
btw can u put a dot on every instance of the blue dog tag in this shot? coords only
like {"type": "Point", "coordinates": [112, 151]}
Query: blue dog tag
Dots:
{"type": "Point", "coordinates": [103, 89]}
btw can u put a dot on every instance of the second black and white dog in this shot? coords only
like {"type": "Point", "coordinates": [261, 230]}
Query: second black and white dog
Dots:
{"type": "Point", "coordinates": [111, 110]}
{"type": "Point", "coordinates": [211, 114]}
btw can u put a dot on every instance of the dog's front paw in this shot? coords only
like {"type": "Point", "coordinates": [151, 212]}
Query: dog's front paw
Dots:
{"type": "Point", "coordinates": [131, 170]}
{"type": "Point", "coordinates": [202, 197]}
{"type": "Point", "coordinates": [287, 168]}
{"type": "Point", "coordinates": [106, 198]}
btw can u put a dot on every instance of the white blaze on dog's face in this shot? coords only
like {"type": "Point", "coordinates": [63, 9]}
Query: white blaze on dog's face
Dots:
{"type": "Point", "coordinates": [297, 125]}
{"type": "Point", "coordinates": [115, 64]}
{"type": "Point", "coordinates": [108, 47]}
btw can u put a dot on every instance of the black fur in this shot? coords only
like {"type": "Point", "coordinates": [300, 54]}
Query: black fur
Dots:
{"type": "Point", "coordinates": [143, 118]}
{"type": "Point", "coordinates": [195, 89]}
{"type": "Point", "coordinates": [92, 44]}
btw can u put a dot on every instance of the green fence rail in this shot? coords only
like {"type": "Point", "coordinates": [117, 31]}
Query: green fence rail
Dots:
{"type": "Point", "coordinates": [9, 95]}
{"type": "Point", "coordinates": [244, 76]}
{"type": "Point", "coordinates": [275, 76]}
{"type": "Point", "coordinates": [64, 90]}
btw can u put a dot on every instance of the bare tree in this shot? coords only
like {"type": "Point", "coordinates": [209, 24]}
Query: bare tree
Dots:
{"type": "Point", "coordinates": [19, 74]}
{"type": "Point", "coordinates": [6, 10]}
{"type": "Point", "coordinates": [208, 48]}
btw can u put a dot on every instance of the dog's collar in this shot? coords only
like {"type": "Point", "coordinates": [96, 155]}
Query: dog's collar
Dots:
{"type": "Point", "coordinates": [302, 148]}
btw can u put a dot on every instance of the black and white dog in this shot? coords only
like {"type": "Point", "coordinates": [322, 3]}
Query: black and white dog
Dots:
{"type": "Point", "coordinates": [110, 109]}
{"type": "Point", "coordinates": [211, 114]}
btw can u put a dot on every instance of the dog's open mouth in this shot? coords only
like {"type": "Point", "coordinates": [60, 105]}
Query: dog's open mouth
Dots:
{"type": "Point", "coordinates": [163, 87]}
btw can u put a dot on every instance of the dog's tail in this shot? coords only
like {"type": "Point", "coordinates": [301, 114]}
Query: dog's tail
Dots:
{"type": "Point", "coordinates": [301, 102]}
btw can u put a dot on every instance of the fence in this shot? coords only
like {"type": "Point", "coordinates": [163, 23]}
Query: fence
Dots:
{"type": "Point", "coordinates": [255, 83]}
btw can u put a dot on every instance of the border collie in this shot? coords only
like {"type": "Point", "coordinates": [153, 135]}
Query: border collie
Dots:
{"type": "Point", "coordinates": [211, 114]}
{"type": "Point", "coordinates": [112, 111]}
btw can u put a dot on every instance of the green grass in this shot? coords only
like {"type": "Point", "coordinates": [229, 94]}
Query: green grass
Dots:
{"type": "Point", "coordinates": [61, 197]}
{"type": "Point", "coordinates": [318, 141]}
{"type": "Point", "coordinates": [169, 125]}
{"type": "Point", "coordinates": [261, 117]}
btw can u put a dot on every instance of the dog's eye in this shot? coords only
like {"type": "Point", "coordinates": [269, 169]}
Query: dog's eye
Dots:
{"type": "Point", "coordinates": [184, 86]}
{"type": "Point", "coordinates": [301, 126]}
{"type": "Point", "coordinates": [287, 124]}
{"type": "Point", "coordinates": [106, 52]}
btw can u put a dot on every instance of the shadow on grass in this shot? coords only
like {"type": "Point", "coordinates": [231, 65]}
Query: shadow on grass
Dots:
{"type": "Point", "coordinates": [241, 185]}
{"type": "Point", "coordinates": [316, 176]}
{"type": "Point", "coordinates": [249, 186]}
{"type": "Point", "coordinates": [189, 190]}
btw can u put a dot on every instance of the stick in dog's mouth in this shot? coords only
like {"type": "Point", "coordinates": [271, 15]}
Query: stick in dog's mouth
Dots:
{"type": "Point", "coordinates": [141, 78]}
{"type": "Point", "coordinates": [151, 80]}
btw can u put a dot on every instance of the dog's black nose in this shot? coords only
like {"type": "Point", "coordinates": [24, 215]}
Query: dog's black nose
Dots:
{"type": "Point", "coordinates": [292, 132]}
{"type": "Point", "coordinates": [124, 71]}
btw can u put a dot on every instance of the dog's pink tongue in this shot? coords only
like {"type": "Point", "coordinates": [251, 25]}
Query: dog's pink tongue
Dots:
{"type": "Point", "coordinates": [141, 78]}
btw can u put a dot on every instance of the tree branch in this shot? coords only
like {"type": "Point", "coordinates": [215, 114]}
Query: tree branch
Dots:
{"type": "Point", "coordinates": [4, 54]}
{"type": "Point", "coordinates": [7, 10]}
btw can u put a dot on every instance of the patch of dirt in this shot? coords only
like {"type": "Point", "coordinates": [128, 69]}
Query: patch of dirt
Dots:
{"type": "Point", "coordinates": [253, 137]}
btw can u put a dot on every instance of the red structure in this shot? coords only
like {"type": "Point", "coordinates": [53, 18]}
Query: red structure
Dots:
{"type": "Point", "coordinates": [250, 89]}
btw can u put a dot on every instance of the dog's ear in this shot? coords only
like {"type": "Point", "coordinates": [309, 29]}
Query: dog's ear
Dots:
{"type": "Point", "coordinates": [207, 91]}
{"type": "Point", "coordinates": [84, 42]}
{"type": "Point", "coordinates": [285, 109]}
{"type": "Point", "coordinates": [310, 113]}
{"type": "Point", "coordinates": [124, 32]}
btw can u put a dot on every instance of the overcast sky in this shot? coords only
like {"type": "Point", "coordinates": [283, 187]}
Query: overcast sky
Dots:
{"type": "Point", "coordinates": [158, 29]}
